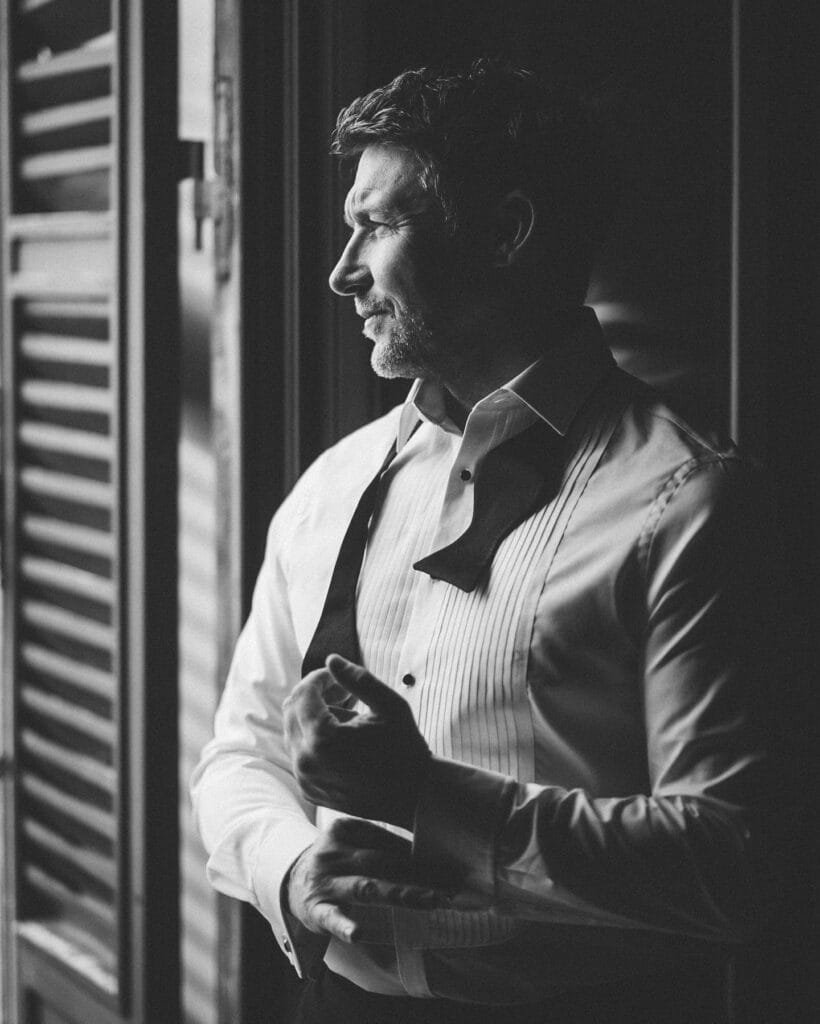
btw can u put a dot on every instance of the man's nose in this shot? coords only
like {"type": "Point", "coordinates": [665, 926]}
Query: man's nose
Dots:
{"type": "Point", "coordinates": [350, 275]}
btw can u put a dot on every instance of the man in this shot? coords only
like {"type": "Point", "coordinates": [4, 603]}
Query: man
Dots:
{"type": "Point", "coordinates": [552, 790]}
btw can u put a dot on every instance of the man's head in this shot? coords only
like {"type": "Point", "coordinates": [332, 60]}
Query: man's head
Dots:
{"type": "Point", "coordinates": [498, 193]}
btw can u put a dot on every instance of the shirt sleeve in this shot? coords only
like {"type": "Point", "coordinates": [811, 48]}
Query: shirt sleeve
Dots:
{"type": "Point", "coordinates": [247, 805]}
{"type": "Point", "coordinates": [690, 855]}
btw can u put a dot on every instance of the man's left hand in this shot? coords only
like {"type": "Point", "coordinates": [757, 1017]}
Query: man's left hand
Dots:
{"type": "Point", "coordinates": [371, 764]}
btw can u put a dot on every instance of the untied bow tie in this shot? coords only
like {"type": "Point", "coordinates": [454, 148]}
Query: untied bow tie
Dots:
{"type": "Point", "coordinates": [512, 482]}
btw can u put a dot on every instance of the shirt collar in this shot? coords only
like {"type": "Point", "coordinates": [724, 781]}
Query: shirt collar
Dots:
{"type": "Point", "coordinates": [554, 387]}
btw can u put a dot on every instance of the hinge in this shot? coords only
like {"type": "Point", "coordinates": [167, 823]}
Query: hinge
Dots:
{"type": "Point", "coordinates": [191, 165]}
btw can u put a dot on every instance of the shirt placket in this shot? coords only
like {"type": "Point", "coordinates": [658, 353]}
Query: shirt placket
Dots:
{"type": "Point", "coordinates": [456, 513]}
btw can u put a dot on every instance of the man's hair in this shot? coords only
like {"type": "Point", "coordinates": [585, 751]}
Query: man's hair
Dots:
{"type": "Point", "coordinates": [482, 132]}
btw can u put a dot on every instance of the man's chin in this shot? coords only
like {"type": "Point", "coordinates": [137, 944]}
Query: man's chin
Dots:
{"type": "Point", "coordinates": [391, 365]}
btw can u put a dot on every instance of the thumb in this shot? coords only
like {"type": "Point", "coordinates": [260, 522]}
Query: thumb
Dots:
{"type": "Point", "coordinates": [364, 686]}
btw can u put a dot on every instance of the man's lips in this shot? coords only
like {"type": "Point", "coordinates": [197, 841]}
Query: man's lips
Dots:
{"type": "Point", "coordinates": [366, 314]}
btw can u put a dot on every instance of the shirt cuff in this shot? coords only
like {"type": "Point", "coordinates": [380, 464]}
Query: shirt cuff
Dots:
{"type": "Point", "coordinates": [460, 813]}
{"type": "Point", "coordinates": [276, 855]}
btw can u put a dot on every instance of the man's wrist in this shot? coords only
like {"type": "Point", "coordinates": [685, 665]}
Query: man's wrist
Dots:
{"type": "Point", "coordinates": [406, 819]}
{"type": "Point", "coordinates": [276, 855]}
{"type": "Point", "coordinates": [284, 892]}
{"type": "Point", "coordinates": [458, 816]}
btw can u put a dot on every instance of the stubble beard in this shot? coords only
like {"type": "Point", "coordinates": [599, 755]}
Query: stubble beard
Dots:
{"type": "Point", "coordinates": [408, 349]}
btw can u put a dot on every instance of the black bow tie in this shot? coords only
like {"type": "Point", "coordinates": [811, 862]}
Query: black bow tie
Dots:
{"type": "Point", "coordinates": [512, 482]}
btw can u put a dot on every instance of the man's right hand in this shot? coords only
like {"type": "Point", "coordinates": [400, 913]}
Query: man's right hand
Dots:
{"type": "Point", "coordinates": [354, 863]}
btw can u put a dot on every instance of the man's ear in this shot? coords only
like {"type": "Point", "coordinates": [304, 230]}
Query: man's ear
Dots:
{"type": "Point", "coordinates": [514, 222]}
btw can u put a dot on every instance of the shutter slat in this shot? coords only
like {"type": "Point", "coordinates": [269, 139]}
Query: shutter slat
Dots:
{"type": "Point", "coordinates": [61, 225]}
{"type": "Point", "coordinates": [60, 892]}
{"type": "Point", "coordinates": [55, 309]}
{"type": "Point", "coordinates": [85, 677]}
{"type": "Point", "coordinates": [76, 627]}
{"type": "Point", "coordinates": [67, 577]}
{"type": "Point", "coordinates": [79, 811]}
{"type": "Point", "coordinates": [67, 396]}
{"type": "Point", "coordinates": [71, 62]}
{"type": "Point", "coordinates": [90, 955]}
{"type": "Point", "coordinates": [67, 116]}
{"type": "Point", "coordinates": [65, 162]}
{"type": "Point", "coordinates": [63, 485]}
{"type": "Point", "coordinates": [68, 713]}
{"type": "Point", "coordinates": [87, 861]}
{"type": "Point", "coordinates": [64, 439]}
{"type": "Point", "coordinates": [61, 349]}
{"type": "Point", "coordinates": [86, 768]}
{"type": "Point", "coordinates": [67, 535]}
{"type": "Point", "coordinates": [77, 285]}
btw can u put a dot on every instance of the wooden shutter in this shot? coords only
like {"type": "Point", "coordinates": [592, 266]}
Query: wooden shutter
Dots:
{"type": "Point", "coordinates": [89, 446]}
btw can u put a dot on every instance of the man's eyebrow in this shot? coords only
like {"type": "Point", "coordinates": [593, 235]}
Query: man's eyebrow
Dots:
{"type": "Point", "coordinates": [360, 209]}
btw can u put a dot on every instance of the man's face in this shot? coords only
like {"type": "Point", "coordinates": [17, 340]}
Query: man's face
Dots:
{"type": "Point", "coordinates": [402, 270]}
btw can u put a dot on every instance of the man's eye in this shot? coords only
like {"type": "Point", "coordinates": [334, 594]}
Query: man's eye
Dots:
{"type": "Point", "coordinates": [367, 225]}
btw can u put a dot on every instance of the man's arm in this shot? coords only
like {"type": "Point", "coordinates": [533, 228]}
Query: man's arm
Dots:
{"type": "Point", "coordinates": [252, 818]}
{"type": "Point", "coordinates": [690, 856]}
{"type": "Point", "coordinates": [687, 857]}
{"type": "Point", "coordinates": [254, 822]}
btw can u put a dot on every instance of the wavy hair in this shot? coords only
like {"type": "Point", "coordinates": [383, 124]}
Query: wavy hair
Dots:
{"type": "Point", "coordinates": [484, 131]}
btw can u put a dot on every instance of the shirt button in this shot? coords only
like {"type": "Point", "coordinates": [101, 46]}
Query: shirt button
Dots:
{"type": "Point", "coordinates": [466, 474]}
{"type": "Point", "coordinates": [286, 945]}
{"type": "Point", "coordinates": [408, 679]}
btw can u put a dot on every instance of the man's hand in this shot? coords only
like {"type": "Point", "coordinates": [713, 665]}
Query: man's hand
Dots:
{"type": "Point", "coordinates": [354, 863]}
{"type": "Point", "coordinates": [371, 764]}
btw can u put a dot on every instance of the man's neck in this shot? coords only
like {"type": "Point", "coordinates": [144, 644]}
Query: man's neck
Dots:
{"type": "Point", "coordinates": [496, 363]}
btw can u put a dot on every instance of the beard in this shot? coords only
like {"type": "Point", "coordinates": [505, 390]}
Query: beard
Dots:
{"type": "Point", "coordinates": [437, 339]}
{"type": "Point", "coordinates": [405, 347]}
{"type": "Point", "coordinates": [430, 344]}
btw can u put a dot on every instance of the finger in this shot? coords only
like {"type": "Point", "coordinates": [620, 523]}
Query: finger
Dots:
{"type": "Point", "coordinates": [342, 713]}
{"type": "Point", "coordinates": [293, 731]}
{"type": "Point", "coordinates": [367, 835]}
{"type": "Point", "coordinates": [385, 866]}
{"type": "Point", "coordinates": [306, 706]}
{"type": "Point", "coordinates": [379, 892]}
{"type": "Point", "coordinates": [331, 691]}
{"type": "Point", "coordinates": [330, 919]}
{"type": "Point", "coordinates": [364, 686]}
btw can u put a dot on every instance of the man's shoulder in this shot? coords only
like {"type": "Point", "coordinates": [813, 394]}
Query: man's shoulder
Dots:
{"type": "Point", "coordinates": [651, 428]}
{"type": "Point", "coordinates": [662, 477]}
{"type": "Point", "coordinates": [656, 462]}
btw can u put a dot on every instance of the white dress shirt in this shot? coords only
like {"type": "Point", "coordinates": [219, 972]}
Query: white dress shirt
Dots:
{"type": "Point", "coordinates": [593, 705]}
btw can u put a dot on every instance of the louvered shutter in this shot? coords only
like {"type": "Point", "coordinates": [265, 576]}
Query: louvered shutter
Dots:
{"type": "Point", "coordinates": [85, 551]}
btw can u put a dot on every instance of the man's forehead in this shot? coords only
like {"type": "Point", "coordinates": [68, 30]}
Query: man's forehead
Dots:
{"type": "Point", "coordinates": [386, 176]}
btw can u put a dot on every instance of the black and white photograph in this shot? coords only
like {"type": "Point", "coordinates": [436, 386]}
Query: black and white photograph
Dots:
{"type": "Point", "coordinates": [409, 475]}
